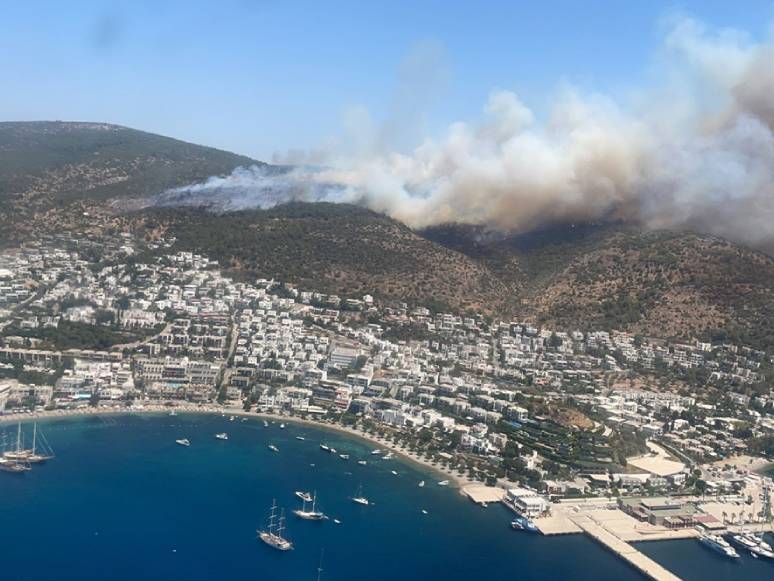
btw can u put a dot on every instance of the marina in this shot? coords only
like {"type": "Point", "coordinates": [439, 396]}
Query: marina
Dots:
{"type": "Point", "coordinates": [255, 472]}
{"type": "Point", "coordinates": [625, 551]}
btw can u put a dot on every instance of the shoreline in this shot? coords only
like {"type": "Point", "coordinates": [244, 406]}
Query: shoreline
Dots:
{"type": "Point", "coordinates": [454, 478]}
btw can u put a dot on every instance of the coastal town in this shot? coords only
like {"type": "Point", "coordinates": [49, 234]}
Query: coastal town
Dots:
{"type": "Point", "coordinates": [623, 437]}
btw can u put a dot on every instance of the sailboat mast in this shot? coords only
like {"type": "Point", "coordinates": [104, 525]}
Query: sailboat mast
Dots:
{"type": "Point", "coordinates": [272, 515]}
{"type": "Point", "coordinates": [319, 567]}
{"type": "Point", "coordinates": [281, 523]}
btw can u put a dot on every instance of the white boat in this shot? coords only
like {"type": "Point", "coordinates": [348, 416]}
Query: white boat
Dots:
{"type": "Point", "coordinates": [719, 545]}
{"type": "Point", "coordinates": [394, 473]}
{"type": "Point", "coordinates": [344, 456]}
{"type": "Point", "coordinates": [443, 483]}
{"type": "Point", "coordinates": [376, 452]}
{"type": "Point", "coordinates": [362, 462]}
{"type": "Point", "coordinates": [424, 511]}
{"type": "Point", "coordinates": [231, 418]}
{"type": "Point", "coordinates": [282, 426]}
{"type": "Point", "coordinates": [421, 484]}
{"type": "Point", "coordinates": [388, 456]}
{"type": "Point", "coordinates": [172, 414]}
{"type": "Point", "coordinates": [265, 424]}
{"type": "Point", "coordinates": [332, 450]}
{"type": "Point", "coordinates": [305, 496]}
{"type": "Point", "coordinates": [183, 442]}
{"type": "Point", "coordinates": [300, 438]}
{"type": "Point", "coordinates": [273, 448]}
{"type": "Point", "coordinates": [324, 447]}
{"type": "Point", "coordinates": [359, 498]}
{"type": "Point", "coordinates": [272, 536]}
{"type": "Point", "coordinates": [221, 436]}
{"type": "Point", "coordinates": [310, 514]}
{"type": "Point", "coordinates": [759, 540]}
{"type": "Point", "coordinates": [13, 466]}
{"type": "Point", "coordinates": [522, 523]}
{"type": "Point", "coordinates": [743, 541]}
{"type": "Point", "coordinates": [41, 451]}
{"type": "Point", "coordinates": [337, 521]}
{"type": "Point", "coordinates": [756, 545]}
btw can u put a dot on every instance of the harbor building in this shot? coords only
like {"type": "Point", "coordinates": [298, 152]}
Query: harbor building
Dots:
{"type": "Point", "coordinates": [661, 511]}
{"type": "Point", "coordinates": [526, 502]}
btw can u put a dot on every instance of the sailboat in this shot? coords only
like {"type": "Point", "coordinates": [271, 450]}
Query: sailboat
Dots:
{"type": "Point", "coordinates": [359, 498]}
{"type": "Point", "coordinates": [272, 536]}
{"type": "Point", "coordinates": [46, 452]}
{"type": "Point", "coordinates": [30, 455]}
{"type": "Point", "coordinates": [310, 514]}
{"type": "Point", "coordinates": [13, 466]}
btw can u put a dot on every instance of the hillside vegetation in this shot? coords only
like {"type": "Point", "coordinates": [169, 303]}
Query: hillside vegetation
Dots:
{"type": "Point", "coordinates": [50, 167]}
{"type": "Point", "coordinates": [80, 178]}
{"type": "Point", "coordinates": [662, 284]}
{"type": "Point", "coordinates": [334, 248]}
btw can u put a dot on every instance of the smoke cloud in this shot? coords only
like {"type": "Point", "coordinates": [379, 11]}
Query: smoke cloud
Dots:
{"type": "Point", "coordinates": [695, 149]}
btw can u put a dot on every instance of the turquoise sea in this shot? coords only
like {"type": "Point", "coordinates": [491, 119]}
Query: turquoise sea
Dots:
{"type": "Point", "coordinates": [122, 501]}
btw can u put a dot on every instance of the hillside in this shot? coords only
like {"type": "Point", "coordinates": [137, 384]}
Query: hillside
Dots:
{"type": "Point", "coordinates": [575, 277]}
{"type": "Point", "coordinates": [665, 284]}
{"type": "Point", "coordinates": [77, 177]}
{"type": "Point", "coordinates": [53, 164]}
{"type": "Point", "coordinates": [334, 248]}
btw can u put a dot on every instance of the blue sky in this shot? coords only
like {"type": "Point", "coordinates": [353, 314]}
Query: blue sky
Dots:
{"type": "Point", "coordinates": [258, 77]}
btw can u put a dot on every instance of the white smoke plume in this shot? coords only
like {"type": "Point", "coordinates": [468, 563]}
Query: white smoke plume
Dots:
{"type": "Point", "coordinates": [693, 150]}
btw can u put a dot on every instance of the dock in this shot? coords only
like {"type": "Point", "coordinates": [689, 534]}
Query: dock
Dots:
{"type": "Point", "coordinates": [627, 552]}
{"type": "Point", "coordinates": [483, 495]}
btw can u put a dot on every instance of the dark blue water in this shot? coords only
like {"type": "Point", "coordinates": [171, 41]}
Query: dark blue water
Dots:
{"type": "Point", "coordinates": [691, 560]}
{"type": "Point", "coordinates": [123, 501]}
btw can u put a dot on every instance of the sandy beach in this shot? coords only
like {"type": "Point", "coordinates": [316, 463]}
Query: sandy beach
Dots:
{"type": "Point", "coordinates": [446, 474]}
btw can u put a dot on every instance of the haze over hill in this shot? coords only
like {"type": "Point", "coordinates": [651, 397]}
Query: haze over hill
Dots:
{"type": "Point", "coordinates": [79, 177]}
{"type": "Point", "coordinates": [695, 153]}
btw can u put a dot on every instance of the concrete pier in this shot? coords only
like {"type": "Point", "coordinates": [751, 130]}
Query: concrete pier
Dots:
{"type": "Point", "coordinates": [483, 495]}
{"type": "Point", "coordinates": [628, 553]}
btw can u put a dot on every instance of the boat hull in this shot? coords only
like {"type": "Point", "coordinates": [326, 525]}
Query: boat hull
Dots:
{"type": "Point", "coordinates": [309, 515]}
{"type": "Point", "coordinates": [274, 541]}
